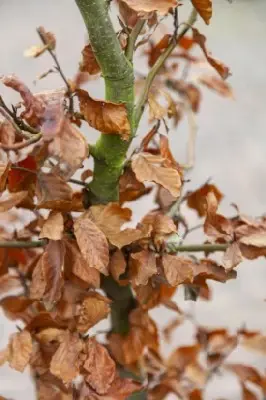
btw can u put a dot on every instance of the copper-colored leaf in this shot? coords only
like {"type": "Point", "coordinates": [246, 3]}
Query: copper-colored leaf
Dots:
{"type": "Point", "coordinates": [100, 367]}
{"type": "Point", "coordinates": [70, 147]}
{"type": "Point", "coordinates": [92, 243]}
{"type": "Point", "coordinates": [245, 373]}
{"type": "Point", "coordinates": [148, 167]}
{"type": "Point", "coordinates": [142, 266]}
{"type": "Point", "coordinates": [218, 85]}
{"type": "Point", "coordinates": [221, 68]}
{"type": "Point", "coordinates": [4, 170]}
{"type": "Point", "coordinates": [147, 6]}
{"type": "Point", "coordinates": [177, 269]}
{"type": "Point", "coordinates": [183, 356]}
{"type": "Point", "coordinates": [53, 227]}
{"type": "Point", "coordinates": [129, 16]}
{"type": "Point", "coordinates": [94, 308]}
{"type": "Point", "coordinates": [89, 63]}
{"type": "Point", "coordinates": [130, 188]}
{"type": "Point", "coordinates": [47, 279]}
{"type": "Point", "coordinates": [65, 362]}
{"type": "Point", "coordinates": [204, 8]}
{"type": "Point", "coordinates": [255, 342]}
{"type": "Point", "coordinates": [232, 257]}
{"type": "Point", "coordinates": [117, 264]}
{"type": "Point", "coordinates": [7, 132]}
{"type": "Point", "coordinates": [106, 117]}
{"type": "Point", "coordinates": [120, 389]}
{"type": "Point", "coordinates": [52, 189]}
{"type": "Point", "coordinates": [110, 219]}
{"type": "Point", "coordinates": [197, 199]}
{"type": "Point", "coordinates": [20, 349]}
{"type": "Point", "coordinates": [11, 200]}
{"type": "Point", "coordinates": [79, 266]}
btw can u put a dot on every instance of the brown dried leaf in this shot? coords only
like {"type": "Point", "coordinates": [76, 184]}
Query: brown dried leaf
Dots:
{"type": "Point", "coordinates": [47, 278]}
{"type": "Point", "coordinates": [65, 362]}
{"type": "Point", "coordinates": [100, 366]}
{"type": "Point", "coordinates": [106, 117]}
{"type": "Point", "coordinates": [216, 226]}
{"type": "Point", "coordinates": [129, 16]}
{"type": "Point", "coordinates": [110, 219]}
{"type": "Point", "coordinates": [245, 373]}
{"type": "Point", "coordinates": [130, 188]}
{"type": "Point", "coordinates": [147, 6]}
{"type": "Point", "coordinates": [255, 342]}
{"type": "Point", "coordinates": [20, 349]}
{"type": "Point", "coordinates": [148, 167]}
{"type": "Point", "coordinates": [9, 282]}
{"type": "Point", "coordinates": [221, 68]}
{"type": "Point", "coordinates": [12, 200]}
{"type": "Point", "coordinates": [197, 199]}
{"type": "Point", "coordinates": [177, 269]}
{"type": "Point", "coordinates": [117, 265]}
{"type": "Point", "coordinates": [49, 389]}
{"type": "Point", "coordinates": [4, 170]}
{"type": "Point", "coordinates": [217, 84]}
{"type": "Point", "coordinates": [232, 257]}
{"type": "Point", "coordinates": [92, 243]}
{"type": "Point", "coordinates": [89, 63]}
{"type": "Point", "coordinates": [120, 389]}
{"type": "Point", "coordinates": [53, 227]}
{"type": "Point", "coordinates": [70, 147]}
{"type": "Point", "coordinates": [94, 308]}
{"type": "Point", "coordinates": [204, 8]}
{"type": "Point", "coordinates": [75, 262]}
{"type": "Point", "coordinates": [183, 356]}
{"type": "Point", "coordinates": [142, 266]}
{"type": "Point", "coordinates": [51, 189]}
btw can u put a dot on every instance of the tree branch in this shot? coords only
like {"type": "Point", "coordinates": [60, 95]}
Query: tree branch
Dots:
{"type": "Point", "coordinates": [194, 248]}
{"type": "Point", "coordinates": [133, 38]}
{"type": "Point", "coordinates": [158, 65]}
{"type": "Point", "coordinates": [23, 244]}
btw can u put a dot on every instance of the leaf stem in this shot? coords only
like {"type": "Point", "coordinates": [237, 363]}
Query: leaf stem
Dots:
{"type": "Point", "coordinates": [158, 65]}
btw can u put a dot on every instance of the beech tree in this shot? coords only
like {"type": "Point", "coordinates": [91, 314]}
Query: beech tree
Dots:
{"type": "Point", "coordinates": [75, 264]}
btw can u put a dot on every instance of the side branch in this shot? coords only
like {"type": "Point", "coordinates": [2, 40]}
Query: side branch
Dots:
{"type": "Point", "coordinates": [158, 65]}
{"type": "Point", "coordinates": [23, 244]}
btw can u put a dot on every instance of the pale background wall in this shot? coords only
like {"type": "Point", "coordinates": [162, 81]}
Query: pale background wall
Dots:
{"type": "Point", "coordinates": [230, 148]}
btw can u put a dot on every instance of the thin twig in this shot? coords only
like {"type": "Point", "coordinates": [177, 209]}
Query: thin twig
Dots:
{"type": "Point", "coordinates": [18, 121]}
{"type": "Point", "coordinates": [158, 65]}
{"type": "Point", "coordinates": [22, 145]}
{"type": "Point", "coordinates": [77, 182]}
{"type": "Point", "coordinates": [133, 38]}
{"type": "Point", "coordinates": [23, 244]}
{"type": "Point", "coordinates": [194, 248]}
{"type": "Point", "coordinates": [58, 68]}
{"type": "Point", "coordinates": [8, 117]}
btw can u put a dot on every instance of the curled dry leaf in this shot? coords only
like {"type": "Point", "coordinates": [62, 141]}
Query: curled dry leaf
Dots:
{"type": "Point", "coordinates": [183, 356]}
{"type": "Point", "coordinates": [9, 200]}
{"type": "Point", "coordinates": [117, 265]}
{"type": "Point", "coordinates": [19, 350]}
{"type": "Point", "coordinates": [177, 270]}
{"type": "Point", "coordinates": [221, 68]}
{"type": "Point", "coordinates": [50, 43]}
{"type": "Point", "coordinates": [129, 16]}
{"type": "Point", "coordinates": [76, 263]}
{"type": "Point", "coordinates": [47, 278]}
{"type": "Point", "coordinates": [204, 8]}
{"type": "Point", "coordinates": [148, 167]}
{"type": "Point", "coordinates": [218, 85]}
{"type": "Point", "coordinates": [110, 219]}
{"type": "Point", "coordinates": [70, 147]}
{"type": "Point", "coordinates": [106, 117]}
{"type": "Point", "coordinates": [100, 367]}
{"type": "Point", "coordinates": [65, 362]}
{"type": "Point", "coordinates": [94, 308]}
{"type": "Point", "coordinates": [245, 373]}
{"type": "Point", "coordinates": [232, 257]}
{"type": "Point", "coordinates": [216, 226]}
{"type": "Point", "coordinates": [4, 170]}
{"type": "Point", "coordinates": [147, 6]}
{"type": "Point", "coordinates": [53, 227]}
{"type": "Point", "coordinates": [256, 342]}
{"type": "Point", "coordinates": [7, 132]}
{"type": "Point", "coordinates": [89, 63]}
{"type": "Point", "coordinates": [197, 199]}
{"type": "Point", "coordinates": [130, 188]}
{"type": "Point", "coordinates": [120, 389]}
{"type": "Point", "coordinates": [92, 243]}
{"type": "Point", "coordinates": [142, 266]}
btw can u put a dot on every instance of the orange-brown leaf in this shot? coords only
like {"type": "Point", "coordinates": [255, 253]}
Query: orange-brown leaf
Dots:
{"type": "Point", "coordinates": [100, 367]}
{"type": "Point", "coordinates": [4, 170]}
{"type": "Point", "coordinates": [204, 8]}
{"type": "Point", "coordinates": [89, 63]}
{"type": "Point", "coordinates": [142, 266]}
{"type": "Point", "coordinates": [106, 117]}
{"type": "Point", "coordinates": [147, 6]}
{"type": "Point", "coordinates": [221, 68]}
{"type": "Point", "coordinates": [218, 85]}
{"type": "Point", "coordinates": [94, 308]}
{"type": "Point", "coordinates": [20, 349]}
{"type": "Point", "coordinates": [197, 199]}
{"type": "Point", "coordinates": [53, 227]}
{"type": "Point", "coordinates": [52, 190]}
{"type": "Point", "coordinates": [177, 269]}
{"type": "Point", "coordinates": [65, 362]}
{"type": "Point", "coordinates": [10, 200]}
{"type": "Point", "coordinates": [148, 167]}
{"type": "Point", "coordinates": [92, 243]}
{"type": "Point", "coordinates": [117, 264]}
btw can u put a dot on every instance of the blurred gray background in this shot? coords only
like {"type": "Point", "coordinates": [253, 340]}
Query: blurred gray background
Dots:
{"type": "Point", "coordinates": [230, 148]}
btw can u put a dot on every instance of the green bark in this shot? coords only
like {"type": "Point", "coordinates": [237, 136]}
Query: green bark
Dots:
{"type": "Point", "coordinates": [110, 151]}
